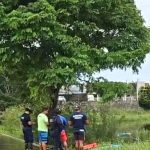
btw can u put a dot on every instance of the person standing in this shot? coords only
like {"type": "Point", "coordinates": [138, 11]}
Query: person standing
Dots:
{"type": "Point", "coordinates": [27, 128]}
{"type": "Point", "coordinates": [43, 123]}
{"type": "Point", "coordinates": [78, 120]}
{"type": "Point", "coordinates": [59, 132]}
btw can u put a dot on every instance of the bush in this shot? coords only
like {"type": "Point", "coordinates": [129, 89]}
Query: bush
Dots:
{"type": "Point", "coordinates": [11, 121]}
{"type": "Point", "coordinates": [103, 124]}
{"type": "Point", "coordinates": [144, 98]}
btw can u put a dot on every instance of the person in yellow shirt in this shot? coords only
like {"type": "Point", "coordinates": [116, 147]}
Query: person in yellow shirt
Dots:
{"type": "Point", "coordinates": [43, 123]}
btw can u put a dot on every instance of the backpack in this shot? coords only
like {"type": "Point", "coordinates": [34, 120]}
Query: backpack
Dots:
{"type": "Point", "coordinates": [58, 123]}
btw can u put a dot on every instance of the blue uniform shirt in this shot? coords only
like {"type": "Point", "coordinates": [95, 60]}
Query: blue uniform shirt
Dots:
{"type": "Point", "coordinates": [78, 119]}
{"type": "Point", "coordinates": [59, 123]}
{"type": "Point", "coordinates": [25, 118]}
{"type": "Point", "coordinates": [63, 120]}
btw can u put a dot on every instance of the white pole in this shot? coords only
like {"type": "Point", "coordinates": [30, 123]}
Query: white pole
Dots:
{"type": "Point", "coordinates": [137, 91]}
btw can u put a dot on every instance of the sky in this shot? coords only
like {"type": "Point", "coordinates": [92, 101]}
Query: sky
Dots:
{"type": "Point", "coordinates": [144, 72]}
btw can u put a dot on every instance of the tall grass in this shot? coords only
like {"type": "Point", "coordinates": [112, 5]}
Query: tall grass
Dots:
{"type": "Point", "coordinates": [11, 122]}
{"type": "Point", "coordinates": [105, 124]}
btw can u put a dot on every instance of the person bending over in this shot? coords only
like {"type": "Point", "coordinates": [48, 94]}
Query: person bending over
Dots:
{"type": "Point", "coordinates": [59, 132]}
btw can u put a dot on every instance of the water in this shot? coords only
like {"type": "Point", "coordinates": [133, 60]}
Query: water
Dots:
{"type": "Point", "coordinates": [7, 143]}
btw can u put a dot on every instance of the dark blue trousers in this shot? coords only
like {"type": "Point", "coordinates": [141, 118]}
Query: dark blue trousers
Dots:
{"type": "Point", "coordinates": [28, 137]}
{"type": "Point", "coordinates": [57, 141]}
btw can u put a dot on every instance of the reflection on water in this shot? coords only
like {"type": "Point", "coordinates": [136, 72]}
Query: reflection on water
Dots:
{"type": "Point", "coordinates": [7, 143]}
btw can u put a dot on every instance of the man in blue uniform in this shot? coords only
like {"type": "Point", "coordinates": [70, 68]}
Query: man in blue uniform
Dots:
{"type": "Point", "coordinates": [27, 128]}
{"type": "Point", "coordinates": [78, 120]}
{"type": "Point", "coordinates": [58, 129]}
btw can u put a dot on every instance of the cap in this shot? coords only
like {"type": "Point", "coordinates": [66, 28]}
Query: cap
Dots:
{"type": "Point", "coordinates": [77, 107]}
{"type": "Point", "coordinates": [57, 111]}
{"type": "Point", "coordinates": [29, 109]}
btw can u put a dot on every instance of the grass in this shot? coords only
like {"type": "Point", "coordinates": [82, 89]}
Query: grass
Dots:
{"type": "Point", "coordinates": [11, 122]}
{"type": "Point", "coordinates": [133, 121]}
{"type": "Point", "coordinates": [136, 146]}
{"type": "Point", "coordinates": [133, 146]}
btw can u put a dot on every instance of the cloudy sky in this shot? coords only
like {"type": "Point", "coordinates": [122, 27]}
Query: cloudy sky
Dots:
{"type": "Point", "coordinates": [144, 72]}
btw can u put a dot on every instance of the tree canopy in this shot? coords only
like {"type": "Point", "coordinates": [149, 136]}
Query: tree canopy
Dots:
{"type": "Point", "coordinates": [7, 93]}
{"type": "Point", "coordinates": [110, 90]}
{"type": "Point", "coordinates": [45, 44]}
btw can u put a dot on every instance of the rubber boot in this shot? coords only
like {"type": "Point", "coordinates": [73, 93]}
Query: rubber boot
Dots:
{"type": "Point", "coordinates": [26, 146]}
{"type": "Point", "coordinates": [30, 146]}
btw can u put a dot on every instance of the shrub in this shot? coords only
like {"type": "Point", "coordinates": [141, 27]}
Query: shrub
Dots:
{"type": "Point", "coordinates": [103, 124]}
{"type": "Point", "coordinates": [144, 98]}
{"type": "Point", "coordinates": [11, 121]}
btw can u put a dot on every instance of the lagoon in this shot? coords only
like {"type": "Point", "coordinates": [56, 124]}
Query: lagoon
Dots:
{"type": "Point", "coordinates": [7, 143]}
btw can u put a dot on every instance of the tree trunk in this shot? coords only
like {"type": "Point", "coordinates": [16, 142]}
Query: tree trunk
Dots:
{"type": "Point", "coordinates": [54, 92]}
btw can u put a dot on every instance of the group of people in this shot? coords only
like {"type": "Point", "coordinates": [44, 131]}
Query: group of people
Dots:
{"type": "Point", "coordinates": [55, 127]}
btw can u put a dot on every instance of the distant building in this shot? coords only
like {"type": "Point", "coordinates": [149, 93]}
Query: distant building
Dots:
{"type": "Point", "coordinates": [140, 84]}
{"type": "Point", "coordinates": [76, 93]}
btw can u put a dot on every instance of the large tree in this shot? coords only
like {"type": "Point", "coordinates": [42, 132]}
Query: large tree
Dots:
{"type": "Point", "coordinates": [110, 90]}
{"type": "Point", "coordinates": [7, 93]}
{"type": "Point", "coordinates": [45, 44]}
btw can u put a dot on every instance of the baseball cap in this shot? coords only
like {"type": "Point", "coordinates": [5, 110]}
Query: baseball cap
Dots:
{"type": "Point", "coordinates": [29, 109]}
{"type": "Point", "coordinates": [77, 107]}
{"type": "Point", "coordinates": [57, 111]}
